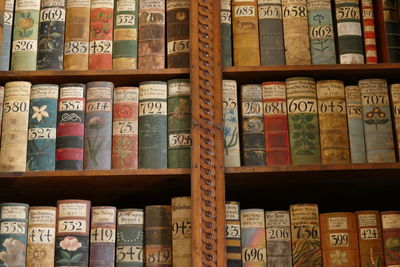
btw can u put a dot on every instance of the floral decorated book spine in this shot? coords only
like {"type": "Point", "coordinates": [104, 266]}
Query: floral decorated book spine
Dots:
{"type": "Point", "coordinates": [5, 52]}
{"type": "Point", "coordinates": [181, 231]}
{"type": "Point", "coordinates": [232, 234]}
{"type": "Point", "coordinates": [390, 237]}
{"type": "Point", "coordinates": [395, 94]}
{"type": "Point", "coordinates": [226, 32]}
{"type": "Point", "coordinates": [371, 54]}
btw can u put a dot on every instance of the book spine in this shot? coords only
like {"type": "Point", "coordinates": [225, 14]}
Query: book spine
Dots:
{"type": "Point", "coordinates": [226, 32]}
{"type": "Point", "coordinates": [153, 145]}
{"type": "Point", "coordinates": [271, 32]}
{"type": "Point", "coordinates": [371, 54]}
{"type": "Point", "coordinates": [181, 231]}
{"type": "Point", "coordinates": [72, 233]}
{"type": "Point", "coordinates": [306, 243]}
{"type": "Point", "coordinates": [98, 128]}
{"type": "Point", "coordinates": [158, 232]}
{"type": "Point", "coordinates": [232, 234]}
{"type": "Point", "coordinates": [102, 236]}
{"type": "Point", "coordinates": [151, 34]}
{"type": "Point", "coordinates": [14, 136]}
{"type": "Point", "coordinates": [41, 237]}
{"type": "Point", "coordinates": [13, 234]}
{"type": "Point", "coordinates": [253, 125]}
{"type": "Point", "coordinates": [7, 33]}
{"type": "Point", "coordinates": [276, 123]}
{"type": "Point", "coordinates": [322, 36]}
{"type": "Point", "coordinates": [51, 35]}
{"type": "Point", "coordinates": [77, 27]}
{"type": "Point", "coordinates": [2, 8]}
{"type": "Point", "coordinates": [125, 35]}
{"type": "Point", "coordinates": [303, 121]}
{"type": "Point", "coordinates": [377, 121]}
{"type": "Point", "coordinates": [277, 227]}
{"type": "Point", "coordinates": [246, 48]}
{"type": "Point", "coordinates": [25, 35]}
{"type": "Point", "coordinates": [125, 128]}
{"type": "Point", "coordinates": [179, 123]}
{"type": "Point", "coordinates": [70, 127]}
{"type": "Point", "coordinates": [1, 108]}
{"type": "Point", "coordinates": [178, 33]}
{"type": "Point", "coordinates": [395, 95]}
{"type": "Point", "coordinates": [130, 238]}
{"type": "Point", "coordinates": [390, 236]}
{"type": "Point", "coordinates": [42, 128]}
{"type": "Point", "coordinates": [389, 18]}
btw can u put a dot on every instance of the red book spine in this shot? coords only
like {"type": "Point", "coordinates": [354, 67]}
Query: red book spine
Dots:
{"type": "Point", "coordinates": [369, 31]}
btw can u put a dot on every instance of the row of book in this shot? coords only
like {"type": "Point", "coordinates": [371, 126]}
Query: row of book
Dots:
{"type": "Point", "coordinates": [304, 122]}
{"type": "Point", "coordinates": [76, 234]}
{"type": "Point", "coordinates": [301, 32]}
{"type": "Point", "coordinates": [303, 237]}
{"type": "Point", "coordinates": [95, 126]}
{"type": "Point", "coordinates": [94, 34]}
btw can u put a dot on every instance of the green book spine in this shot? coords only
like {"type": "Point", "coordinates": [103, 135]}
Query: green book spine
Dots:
{"type": "Point", "coordinates": [226, 32]}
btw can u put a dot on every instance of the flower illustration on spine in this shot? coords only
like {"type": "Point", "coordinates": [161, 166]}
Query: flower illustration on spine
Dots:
{"type": "Point", "coordinates": [339, 257]}
{"type": "Point", "coordinates": [68, 246]}
{"type": "Point", "coordinates": [13, 256]}
{"type": "Point", "coordinates": [40, 113]}
{"type": "Point", "coordinates": [95, 123]}
{"type": "Point", "coordinates": [376, 117]}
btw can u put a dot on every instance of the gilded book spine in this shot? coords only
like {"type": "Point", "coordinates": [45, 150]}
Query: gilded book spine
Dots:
{"type": "Point", "coordinates": [388, 17]}
{"type": "Point", "coordinates": [390, 237]}
{"type": "Point", "coordinates": [395, 94]}
{"type": "Point", "coordinates": [7, 33]}
{"type": "Point", "coordinates": [232, 232]}
{"type": "Point", "coordinates": [369, 38]}
{"type": "Point", "coordinates": [181, 231]}
{"type": "Point", "coordinates": [226, 32]}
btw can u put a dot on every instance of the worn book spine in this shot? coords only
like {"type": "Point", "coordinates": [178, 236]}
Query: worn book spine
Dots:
{"type": "Point", "coordinates": [102, 236]}
{"type": "Point", "coordinates": [303, 121]}
{"type": "Point", "coordinates": [1, 108]}
{"type": "Point", "coordinates": [371, 54]}
{"type": "Point", "coordinates": [7, 34]}
{"type": "Point", "coordinates": [2, 8]}
{"type": "Point", "coordinates": [179, 123]}
{"type": "Point", "coordinates": [389, 39]}
{"type": "Point", "coordinates": [14, 135]}
{"type": "Point", "coordinates": [158, 232]}
{"type": "Point", "coordinates": [41, 237]}
{"type": "Point", "coordinates": [246, 48]}
{"type": "Point", "coordinates": [42, 128]}
{"type": "Point", "coordinates": [130, 238]}
{"type": "Point", "coordinates": [151, 34]}
{"type": "Point", "coordinates": [377, 121]}
{"type": "Point", "coordinates": [125, 128]}
{"type": "Point", "coordinates": [181, 231]}
{"type": "Point", "coordinates": [13, 234]}
{"type": "Point", "coordinates": [390, 237]}
{"type": "Point", "coordinates": [226, 32]}
{"type": "Point", "coordinates": [253, 125]}
{"type": "Point", "coordinates": [153, 145]}
{"type": "Point", "coordinates": [395, 103]}
{"type": "Point", "coordinates": [276, 123]}
{"type": "Point", "coordinates": [232, 234]}
{"type": "Point", "coordinates": [70, 127]}
{"type": "Point", "coordinates": [277, 228]}
{"type": "Point", "coordinates": [306, 243]}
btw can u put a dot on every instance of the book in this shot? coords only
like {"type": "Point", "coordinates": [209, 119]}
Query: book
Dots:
{"type": "Point", "coordinates": [371, 54]}
{"type": "Point", "coordinates": [179, 123]}
{"type": "Point", "coordinates": [102, 236]}
{"type": "Point", "coordinates": [232, 234]}
{"type": "Point", "coordinates": [253, 125]}
{"type": "Point", "coordinates": [395, 104]}
{"type": "Point", "coordinates": [303, 121]}
{"type": "Point", "coordinates": [41, 153]}
{"type": "Point", "coordinates": [41, 237]}
{"type": "Point", "coordinates": [226, 32]}
{"type": "Point", "coordinates": [14, 136]}
{"type": "Point", "coordinates": [377, 121]}
{"type": "Point", "coordinates": [2, 8]}
{"type": "Point", "coordinates": [276, 123]}
{"type": "Point", "coordinates": [7, 34]}
{"type": "Point", "coordinates": [1, 107]}
{"type": "Point", "coordinates": [181, 217]}
{"type": "Point", "coordinates": [246, 48]}
{"type": "Point", "coordinates": [153, 145]}
{"type": "Point", "coordinates": [151, 34]}
{"type": "Point", "coordinates": [125, 128]}
{"type": "Point", "coordinates": [178, 48]}
{"type": "Point", "coordinates": [391, 237]}
{"type": "Point", "coordinates": [98, 128]}
{"type": "Point", "coordinates": [71, 127]}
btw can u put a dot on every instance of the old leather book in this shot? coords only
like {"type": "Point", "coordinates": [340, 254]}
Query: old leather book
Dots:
{"type": "Point", "coordinates": [42, 128]}
{"type": "Point", "coordinates": [181, 231]}
{"type": "Point", "coordinates": [388, 17]}
{"type": "Point", "coordinates": [390, 237]}
{"type": "Point", "coordinates": [395, 104]}
{"type": "Point", "coordinates": [369, 38]}
{"type": "Point", "coordinates": [226, 32]}
{"type": "Point", "coordinates": [1, 108]}
{"type": "Point", "coordinates": [7, 33]}
{"type": "Point", "coordinates": [232, 234]}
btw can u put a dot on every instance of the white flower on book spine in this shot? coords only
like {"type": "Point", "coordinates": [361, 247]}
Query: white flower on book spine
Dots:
{"type": "Point", "coordinates": [339, 257]}
{"type": "Point", "coordinates": [40, 112]}
{"type": "Point", "coordinates": [13, 256]}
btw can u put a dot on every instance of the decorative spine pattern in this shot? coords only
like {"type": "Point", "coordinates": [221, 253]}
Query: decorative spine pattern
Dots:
{"type": "Point", "coordinates": [391, 233]}
{"type": "Point", "coordinates": [232, 234]}
{"type": "Point", "coordinates": [367, 8]}
{"type": "Point", "coordinates": [181, 231]}
{"type": "Point", "coordinates": [7, 33]}
{"type": "Point", "coordinates": [226, 32]}
{"type": "Point", "coordinates": [395, 94]}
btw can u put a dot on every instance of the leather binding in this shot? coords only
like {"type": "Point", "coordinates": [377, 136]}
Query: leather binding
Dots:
{"type": "Point", "coordinates": [390, 236]}
{"type": "Point", "coordinates": [395, 103]}
{"type": "Point", "coordinates": [70, 127]}
{"type": "Point", "coordinates": [14, 136]}
{"type": "Point", "coordinates": [277, 227]}
{"type": "Point", "coordinates": [158, 232]}
{"type": "Point", "coordinates": [125, 44]}
{"type": "Point", "coordinates": [295, 28]}
{"type": "Point", "coordinates": [246, 48]}
{"type": "Point", "coordinates": [253, 238]}
{"type": "Point", "coordinates": [371, 54]}
{"type": "Point", "coordinates": [350, 43]}
{"type": "Point", "coordinates": [72, 233]}
{"type": "Point", "coordinates": [178, 33]}
{"type": "Point", "coordinates": [1, 107]}
{"type": "Point", "coordinates": [231, 123]}
{"type": "Point", "coordinates": [98, 126]}
{"type": "Point", "coordinates": [2, 7]}
{"type": "Point", "coordinates": [153, 145]}
{"type": "Point", "coordinates": [322, 36]}
{"type": "Point", "coordinates": [42, 128]}
{"type": "Point", "coordinates": [377, 121]}
{"type": "Point", "coordinates": [276, 123]}
{"type": "Point", "coordinates": [303, 121]}
{"type": "Point", "coordinates": [130, 238]}
{"type": "Point", "coordinates": [226, 32]}
{"type": "Point", "coordinates": [25, 35]}
{"type": "Point", "coordinates": [179, 122]}
{"type": "Point", "coordinates": [369, 228]}
{"type": "Point", "coordinates": [232, 234]}
{"type": "Point", "coordinates": [151, 34]}
{"type": "Point", "coordinates": [41, 237]}
{"type": "Point", "coordinates": [181, 231]}
{"type": "Point", "coordinates": [125, 128]}
{"type": "Point", "coordinates": [102, 236]}
{"type": "Point", "coordinates": [13, 240]}
{"type": "Point", "coordinates": [7, 32]}
{"type": "Point", "coordinates": [306, 243]}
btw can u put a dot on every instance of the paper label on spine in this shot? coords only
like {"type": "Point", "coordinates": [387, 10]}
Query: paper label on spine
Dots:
{"type": "Point", "coordinates": [129, 254]}
{"type": "Point", "coordinates": [180, 139]}
{"type": "Point", "coordinates": [390, 221]}
{"type": "Point", "coordinates": [337, 223]}
{"type": "Point", "coordinates": [44, 92]}
{"type": "Point", "coordinates": [95, 106]}
{"type": "Point", "coordinates": [76, 48]}
{"type": "Point", "coordinates": [100, 47]}
{"type": "Point", "coordinates": [174, 4]}
{"type": "Point", "coordinates": [102, 235]}
{"type": "Point", "coordinates": [71, 92]}
{"type": "Point", "coordinates": [42, 133]}
{"type": "Point", "coordinates": [65, 105]}
{"type": "Point", "coordinates": [72, 226]}
{"type": "Point", "coordinates": [125, 20]}
{"type": "Point", "coordinates": [52, 14]}
{"type": "Point", "coordinates": [349, 28]}
{"type": "Point", "coordinates": [152, 108]}
{"type": "Point", "coordinates": [8, 18]}
{"type": "Point", "coordinates": [269, 12]}
{"type": "Point", "coordinates": [99, 92]}
{"type": "Point", "coordinates": [179, 89]}
{"type": "Point", "coordinates": [339, 239]}
{"type": "Point", "coordinates": [24, 46]}
{"type": "Point", "coordinates": [152, 4]}
{"type": "Point", "coordinates": [130, 217]}
{"type": "Point", "coordinates": [126, 95]}
{"type": "Point", "coordinates": [278, 234]}
{"type": "Point", "coordinates": [153, 91]}
{"type": "Point", "coordinates": [252, 219]}
{"type": "Point", "coordinates": [178, 46]}
{"type": "Point", "coordinates": [78, 3]}
{"type": "Point", "coordinates": [304, 222]}
{"type": "Point", "coordinates": [226, 4]}
{"type": "Point", "coordinates": [13, 228]}
{"type": "Point", "coordinates": [370, 233]}
{"type": "Point", "coordinates": [102, 4]}
{"type": "Point", "coordinates": [13, 212]}
{"type": "Point", "coordinates": [367, 220]}
{"type": "Point", "coordinates": [126, 5]}
{"type": "Point", "coordinates": [72, 210]}
{"type": "Point", "coordinates": [254, 255]}
{"type": "Point", "coordinates": [245, 11]}
{"type": "Point", "coordinates": [252, 109]}
{"type": "Point", "coordinates": [103, 216]}
{"type": "Point", "coordinates": [42, 216]}
{"type": "Point", "coordinates": [232, 212]}
{"type": "Point", "coordinates": [27, 5]}
{"type": "Point", "coordinates": [232, 231]}
{"type": "Point", "coordinates": [41, 235]}
{"type": "Point", "coordinates": [125, 127]}
{"type": "Point", "coordinates": [226, 17]}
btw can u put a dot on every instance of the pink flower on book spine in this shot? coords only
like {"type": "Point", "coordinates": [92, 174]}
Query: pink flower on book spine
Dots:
{"type": "Point", "coordinates": [70, 243]}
